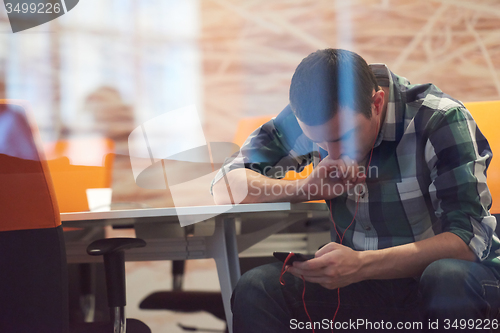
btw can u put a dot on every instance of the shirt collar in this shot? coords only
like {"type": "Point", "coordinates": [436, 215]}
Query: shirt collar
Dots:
{"type": "Point", "coordinates": [393, 115]}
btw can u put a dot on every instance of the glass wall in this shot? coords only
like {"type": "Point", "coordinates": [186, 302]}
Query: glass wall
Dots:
{"type": "Point", "coordinates": [107, 66]}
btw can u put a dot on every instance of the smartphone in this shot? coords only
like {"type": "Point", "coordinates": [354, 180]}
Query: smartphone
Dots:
{"type": "Point", "coordinates": [296, 257]}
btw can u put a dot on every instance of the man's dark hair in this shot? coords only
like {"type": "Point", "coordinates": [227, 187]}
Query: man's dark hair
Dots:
{"type": "Point", "coordinates": [328, 79]}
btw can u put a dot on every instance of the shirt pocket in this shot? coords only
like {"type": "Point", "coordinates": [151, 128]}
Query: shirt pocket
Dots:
{"type": "Point", "coordinates": [391, 191]}
{"type": "Point", "coordinates": [405, 202]}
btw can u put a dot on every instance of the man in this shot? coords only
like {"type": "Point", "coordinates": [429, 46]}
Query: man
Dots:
{"type": "Point", "coordinates": [412, 242]}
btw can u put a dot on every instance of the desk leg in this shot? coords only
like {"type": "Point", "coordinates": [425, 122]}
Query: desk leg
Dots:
{"type": "Point", "coordinates": [223, 248]}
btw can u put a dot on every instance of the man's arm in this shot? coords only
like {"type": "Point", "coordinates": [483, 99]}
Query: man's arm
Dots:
{"type": "Point", "coordinates": [329, 179]}
{"type": "Point", "coordinates": [411, 259]}
{"type": "Point", "coordinates": [337, 266]}
{"type": "Point", "coordinates": [265, 156]}
{"type": "Point", "coordinates": [238, 182]}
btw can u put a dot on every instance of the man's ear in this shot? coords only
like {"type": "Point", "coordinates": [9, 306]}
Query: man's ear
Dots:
{"type": "Point", "coordinates": [378, 101]}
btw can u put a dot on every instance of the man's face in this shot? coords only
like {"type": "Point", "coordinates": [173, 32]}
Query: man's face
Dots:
{"type": "Point", "coordinates": [348, 133]}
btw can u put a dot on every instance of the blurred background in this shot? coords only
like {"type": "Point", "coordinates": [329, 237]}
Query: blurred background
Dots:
{"type": "Point", "coordinates": [108, 66]}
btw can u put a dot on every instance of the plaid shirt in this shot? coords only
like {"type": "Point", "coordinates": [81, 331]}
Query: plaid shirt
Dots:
{"type": "Point", "coordinates": [431, 162]}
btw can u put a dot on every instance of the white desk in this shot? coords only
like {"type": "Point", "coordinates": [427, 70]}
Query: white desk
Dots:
{"type": "Point", "coordinates": [217, 237]}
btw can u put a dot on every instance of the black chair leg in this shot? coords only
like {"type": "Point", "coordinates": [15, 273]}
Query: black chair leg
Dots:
{"type": "Point", "coordinates": [87, 291]}
{"type": "Point", "coordinates": [178, 267]}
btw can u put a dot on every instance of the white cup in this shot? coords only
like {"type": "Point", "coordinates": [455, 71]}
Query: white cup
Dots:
{"type": "Point", "coordinates": [99, 199]}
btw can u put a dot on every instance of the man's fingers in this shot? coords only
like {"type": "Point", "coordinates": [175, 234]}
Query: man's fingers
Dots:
{"type": "Point", "coordinates": [344, 168]}
{"type": "Point", "coordinates": [298, 271]}
{"type": "Point", "coordinates": [304, 273]}
{"type": "Point", "coordinates": [353, 170]}
{"type": "Point", "coordinates": [332, 246]}
{"type": "Point", "coordinates": [311, 264]}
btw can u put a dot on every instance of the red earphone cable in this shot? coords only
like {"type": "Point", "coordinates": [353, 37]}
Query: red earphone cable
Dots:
{"type": "Point", "coordinates": [284, 268]}
{"type": "Point", "coordinates": [283, 271]}
{"type": "Point", "coordinates": [353, 218]}
{"type": "Point", "coordinates": [341, 238]}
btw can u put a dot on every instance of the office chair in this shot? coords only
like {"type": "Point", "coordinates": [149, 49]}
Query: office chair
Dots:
{"type": "Point", "coordinates": [33, 271]}
{"type": "Point", "coordinates": [487, 116]}
{"type": "Point", "coordinates": [75, 165]}
{"type": "Point", "coordinates": [185, 301]}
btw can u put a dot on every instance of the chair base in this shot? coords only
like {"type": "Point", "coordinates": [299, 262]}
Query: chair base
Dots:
{"type": "Point", "coordinates": [133, 326]}
{"type": "Point", "coordinates": [186, 301]}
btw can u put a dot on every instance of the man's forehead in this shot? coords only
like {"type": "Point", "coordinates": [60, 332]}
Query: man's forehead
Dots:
{"type": "Point", "coordinates": [335, 129]}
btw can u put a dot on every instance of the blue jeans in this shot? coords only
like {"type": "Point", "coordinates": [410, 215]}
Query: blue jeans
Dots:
{"type": "Point", "coordinates": [448, 289]}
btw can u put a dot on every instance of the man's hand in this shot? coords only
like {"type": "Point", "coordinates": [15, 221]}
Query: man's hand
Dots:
{"type": "Point", "coordinates": [332, 178]}
{"type": "Point", "coordinates": [334, 266]}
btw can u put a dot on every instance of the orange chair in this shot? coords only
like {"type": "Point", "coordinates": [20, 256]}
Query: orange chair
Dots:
{"type": "Point", "coordinates": [246, 126]}
{"type": "Point", "coordinates": [33, 271]}
{"type": "Point", "coordinates": [487, 117]}
{"type": "Point", "coordinates": [76, 165]}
